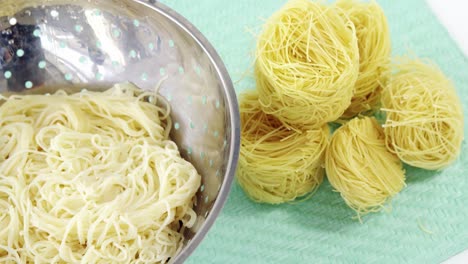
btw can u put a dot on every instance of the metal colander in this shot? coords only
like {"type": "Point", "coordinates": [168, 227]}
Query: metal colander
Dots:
{"type": "Point", "coordinates": [51, 44]}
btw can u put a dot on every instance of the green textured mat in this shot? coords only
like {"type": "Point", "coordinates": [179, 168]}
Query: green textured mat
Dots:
{"type": "Point", "coordinates": [321, 230]}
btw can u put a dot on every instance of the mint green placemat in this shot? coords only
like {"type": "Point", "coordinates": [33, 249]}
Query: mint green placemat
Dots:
{"type": "Point", "coordinates": [321, 230]}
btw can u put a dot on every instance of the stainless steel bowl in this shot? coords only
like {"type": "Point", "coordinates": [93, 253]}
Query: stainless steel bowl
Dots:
{"type": "Point", "coordinates": [51, 44]}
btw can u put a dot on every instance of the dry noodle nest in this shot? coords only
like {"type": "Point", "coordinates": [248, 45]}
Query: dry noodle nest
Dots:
{"type": "Point", "coordinates": [277, 164]}
{"type": "Point", "coordinates": [424, 124]}
{"type": "Point", "coordinates": [374, 44]}
{"type": "Point", "coordinates": [307, 62]}
{"type": "Point", "coordinates": [360, 167]}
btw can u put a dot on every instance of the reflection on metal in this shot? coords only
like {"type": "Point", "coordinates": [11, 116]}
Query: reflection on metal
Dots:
{"type": "Point", "coordinates": [96, 43]}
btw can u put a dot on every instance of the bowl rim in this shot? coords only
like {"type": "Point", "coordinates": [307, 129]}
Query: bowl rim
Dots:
{"type": "Point", "coordinates": [232, 104]}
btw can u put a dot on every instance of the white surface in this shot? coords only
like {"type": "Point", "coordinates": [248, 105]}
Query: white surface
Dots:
{"type": "Point", "coordinates": [453, 15]}
{"type": "Point", "coordinates": [461, 258]}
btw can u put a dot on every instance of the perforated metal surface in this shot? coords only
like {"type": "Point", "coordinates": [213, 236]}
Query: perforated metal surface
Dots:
{"type": "Point", "coordinates": [94, 44]}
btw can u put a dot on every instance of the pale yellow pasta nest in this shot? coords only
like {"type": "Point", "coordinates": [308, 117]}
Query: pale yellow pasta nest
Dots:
{"type": "Point", "coordinates": [374, 44]}
{"type": "Point", "coordinates": [276, 164]}
{"type": "Point", "coordinates": [307, 63]}
{"type": "Point", "coordinates": [360, 168]}
{"type": "Point", "coordinates": [424, 124]}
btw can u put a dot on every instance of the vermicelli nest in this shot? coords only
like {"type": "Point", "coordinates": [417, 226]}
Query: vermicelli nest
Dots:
{"type": "Point", "coordinates": [360, 167]}
{"type": "Point", "coordinates": [277, 164]}
{"type": "Point", "coordinates": [424, 124]}
{"type": "Point", "coordinates": [307, 62]}
{"type": "Point", "coordinates": [374, 44]}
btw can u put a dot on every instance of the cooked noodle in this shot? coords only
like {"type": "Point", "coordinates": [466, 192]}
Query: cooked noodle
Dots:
{"type": "Point", "coordinates": [91, 178]}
